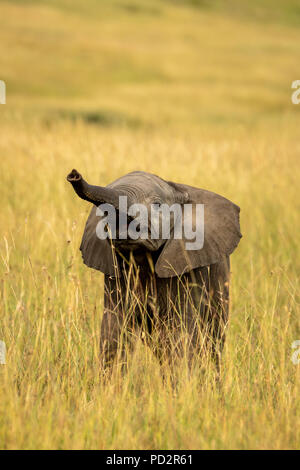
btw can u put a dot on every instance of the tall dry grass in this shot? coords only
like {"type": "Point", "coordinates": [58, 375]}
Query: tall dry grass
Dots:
{"type": "Point", "coordinates": [51, 304]}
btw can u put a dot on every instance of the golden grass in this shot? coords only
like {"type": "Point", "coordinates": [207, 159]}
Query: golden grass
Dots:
{"type": "Point", "coordinates": [220, 119]}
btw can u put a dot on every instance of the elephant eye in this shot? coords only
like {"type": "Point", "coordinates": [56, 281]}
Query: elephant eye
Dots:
{"type": "Point", "coordinates": [157, 203]}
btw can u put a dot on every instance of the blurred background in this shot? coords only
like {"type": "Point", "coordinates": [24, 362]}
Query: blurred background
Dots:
{"type": "Point", "coordinates": [152, 63]}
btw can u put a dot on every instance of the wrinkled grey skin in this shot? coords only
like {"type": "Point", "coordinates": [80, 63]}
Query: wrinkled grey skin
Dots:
{"type": "Point", "coordinates": [179, 298]}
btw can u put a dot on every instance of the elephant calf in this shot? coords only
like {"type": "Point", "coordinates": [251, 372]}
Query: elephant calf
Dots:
{"type": "Point", "coordinates": [178, 297]}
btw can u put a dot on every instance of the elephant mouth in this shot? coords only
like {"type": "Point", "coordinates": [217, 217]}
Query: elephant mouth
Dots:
{"type": "Point", "coordinates": [135, 245]}
{"type": "Point", "coordinates": [123, 239]}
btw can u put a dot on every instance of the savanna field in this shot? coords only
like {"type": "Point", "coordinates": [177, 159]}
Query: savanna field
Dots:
{"type": "Point", "coordinates": [197, 92]}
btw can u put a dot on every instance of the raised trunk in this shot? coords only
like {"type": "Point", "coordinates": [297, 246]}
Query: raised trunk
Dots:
{"type": "Point", "coordinates": [94, 194]}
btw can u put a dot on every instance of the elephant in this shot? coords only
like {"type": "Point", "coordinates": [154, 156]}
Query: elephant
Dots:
{"type": "Point", "coordinates": [175, 298]}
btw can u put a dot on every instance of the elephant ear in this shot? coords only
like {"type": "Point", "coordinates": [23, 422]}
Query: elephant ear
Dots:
{"type": "Point", "coordinates": [221, 234]}
{"type": "Point", "coordinates": [96, 253]}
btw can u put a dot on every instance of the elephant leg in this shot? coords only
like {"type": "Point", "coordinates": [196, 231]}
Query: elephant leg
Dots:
{"type": "Point", "coordinates": [110, 338]}
{"type": "Point", "coordinates": [119, 324]}
{"type": "Point", "coordinates": [179, 332]}
{"type": "Point", "coordinates": [113, 325]}
{"type": "Point", "coordinates": [179, 342]}
{"type": "Point", "coordinates": [219, 306]}
{"type": "Point", "coordinates": [195, 316]}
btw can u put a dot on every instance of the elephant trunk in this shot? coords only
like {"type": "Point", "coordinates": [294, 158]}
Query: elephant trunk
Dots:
{"type": "Point", "coordinates": [94, 194]}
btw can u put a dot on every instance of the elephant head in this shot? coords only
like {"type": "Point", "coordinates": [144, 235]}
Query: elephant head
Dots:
{"type": "Point", "coordinates": [221, 223]}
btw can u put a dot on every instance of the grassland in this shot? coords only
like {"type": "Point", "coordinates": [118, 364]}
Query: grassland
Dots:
{"type": "Point", "coordinates": [196, 92]}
